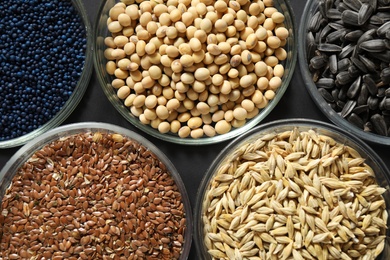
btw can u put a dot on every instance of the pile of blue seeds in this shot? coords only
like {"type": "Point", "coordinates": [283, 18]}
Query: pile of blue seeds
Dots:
{"type": "Point", "coordinates": [348, 46]}
{"type": "Point", "coordinates": [42, 53]}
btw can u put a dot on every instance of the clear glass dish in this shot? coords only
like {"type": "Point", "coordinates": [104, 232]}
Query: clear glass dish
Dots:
{"type": "Point", "coordinates": [77, 94]}
{"type": "Point", "coordinates": [310, 9]}
{"type": "Point", "coordinates": [105, 79]}
{"type": "Point", "coordinates": [26, 151]}
{"type": "Point", "coordinates": [235, 149]}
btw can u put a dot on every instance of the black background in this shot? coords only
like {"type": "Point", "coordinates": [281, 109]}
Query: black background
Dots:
{"type": "Point", "coordinates": [193, 161]}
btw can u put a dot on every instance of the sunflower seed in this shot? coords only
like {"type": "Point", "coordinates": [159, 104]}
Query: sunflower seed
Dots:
{"type": "Point", "coordinates": [373, 3]}
{"type": "Point", "coordinates": [385, 105]}
{"type": "Point", "coordinates": [379, 124]}
{"type": "Point", "coordinates": [365, 13]}
{"type": "Point", "coordinates": [385, 77]}
{"type": "Point", "coordinates": [382, 56]}
{"type": "Point", "coordinates": [315, 22]}
{"type": "Point", "coordinates": [326, 95]}
{"type": "Point", "coordinates": [369, 64]}
{"type": "Point", "coordinates": [370, 84]}
{"type": "Point", "coordinates": [373, 103]}
{"type": "Point", "coordinates": [368, 127]}
{"type": "Point", "coordinates": [354, 72]}
{"type": "Point", "coordinates": [363, 95]}
{"type": "Point", "coordinates": [359, 64]}
{"type": "Point", "coordinates": [367, 35]}
{"type": "Point", "coordinates": [318, 62]}
{"type": "Point", "coordinates": [337, 25]}
{"type": "Point", "coordinates": [352, 4]}
{"type": "Point", "coordinates": [356, 120]}
{"type": "Point", "coordinates": [349, 17]}
{"type": "Point", "coordinates": [381, 31]}
{"type": "Point", "coordinates": [327, 83]}
{"type": "Point", "coordinates": [353, 36]}
{"type": "Point", "coordinates": [375, 45]}
{"type": "Point", "coordinates": [374, 22]}
{"type": "Point", "coordinates": [324, 33]}
{"type": "Point", "coordinates": [343, 64]}
{"type": "Point", "coordinates": [329, 47]}
{"type": "Point", "coordinates": [354, 89]}
{"type": "Point", "coordinates": [336, 36]}
{"type": "Point", "coordinates": [333, 14]}
{"type": "Point", "coordinates": [344, 77]}
{"type": "Point", "coordinates": [333, 64]}
{"type": "Point", "coordinates": [348, 107]}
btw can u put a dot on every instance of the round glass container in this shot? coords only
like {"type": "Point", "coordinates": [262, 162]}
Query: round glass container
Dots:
{"type": "Point", "coordinates": [26, 151]}
{"type": "Point", "coordinates": [105, 79]}
{"type": "Point", "coordinates": [310, 9]}
{"type": "Point", "coordinates": [77, 93]}
{"type": "Point", "coordinates": [237, 147]}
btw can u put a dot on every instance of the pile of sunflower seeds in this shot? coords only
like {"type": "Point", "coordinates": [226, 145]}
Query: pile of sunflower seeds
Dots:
{"type": "Point", "coordinates": [348, 52]}
{"type": "Point", "coordinates": [294, 195]}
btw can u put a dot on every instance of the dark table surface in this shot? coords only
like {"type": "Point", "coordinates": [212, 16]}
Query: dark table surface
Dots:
{"type": "Point", "coordinates": [193, 161]}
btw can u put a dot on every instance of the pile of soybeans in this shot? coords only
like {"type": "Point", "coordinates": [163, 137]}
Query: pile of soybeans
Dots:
{"type": "Point", "coordinates": [195, 68]}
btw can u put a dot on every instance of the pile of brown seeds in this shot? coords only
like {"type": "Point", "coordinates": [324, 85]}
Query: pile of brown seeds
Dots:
{"type": "Point", "coordinates": [294, 195]}
{"type": "Point", "coordinates": [92, 196]}
{"type": "Point", "coordinates": [348, 49]}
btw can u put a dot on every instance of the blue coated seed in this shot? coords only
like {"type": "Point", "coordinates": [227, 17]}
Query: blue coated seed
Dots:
{"type": "Point", "coordinates": [42, 52]}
